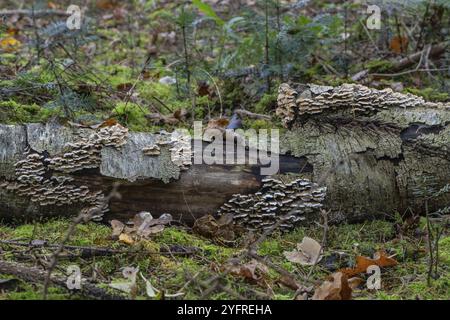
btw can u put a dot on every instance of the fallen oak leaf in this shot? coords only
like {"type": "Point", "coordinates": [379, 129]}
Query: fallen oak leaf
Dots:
{"type": "Point", "coordinates": [142, 226]}
{"type": "Point", "coordinates": [145, 224]}
{"type": "Point", "coordinates": [218, 229]}
{"type": "Point", "coordinates": [117, 227]}
{"type": "Point", "coordinates": [308, 252]}
{"type": "Point", "coordinates": [288, 281]}
{"type": "Point", "coordinates": [220, 123]}
{"type": "Point", "coordinates": [355, 282]}
{"type": "Point", "coordinates": [362, 263]}
{"type": "Point", "coordinates": [335, 288]}
{"type": "Point", "coordinates": [252, 271]}
{"type": "Point", "coordinates": [126, 238]}
{"type": "Point", "coordinates": [398, 44]}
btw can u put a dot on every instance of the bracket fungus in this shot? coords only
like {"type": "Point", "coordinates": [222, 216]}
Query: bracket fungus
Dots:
{"type": "Point", "coordinates": [289, 202]}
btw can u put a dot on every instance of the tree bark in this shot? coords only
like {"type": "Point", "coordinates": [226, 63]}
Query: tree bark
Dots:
{"type": "Point", "coordinates": [371, 162]}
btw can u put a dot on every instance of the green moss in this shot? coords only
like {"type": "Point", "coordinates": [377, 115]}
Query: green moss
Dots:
{"type": "Point", "coordinates": [13, 112]}
{"type": "Point", "coordinates": [257, 124]}
{"type": "Point", "coordinates": [405, 281]}
{"type": "Point", "coordinates": [132, 115]}
{"type": "Point", "coordinates": [267, 103]}
{"type": "Point", "coordinates": [429, 94]}
{"type": "Point", "coordinates": [379, 66]}
{"type": "Point", "coordinates": [54, 230]}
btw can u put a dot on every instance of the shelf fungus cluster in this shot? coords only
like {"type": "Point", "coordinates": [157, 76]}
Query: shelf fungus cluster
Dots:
{"type": "Point", "coordinates": [45, 181]}
{"type": "Point", "coordinates": [86, 152]}
{"type": "Point", "coordinates": [179, 145]}
{"type": "Point", "coordinates": [353, 98]}
{"type": "Point", "coordinates": [287, 204]}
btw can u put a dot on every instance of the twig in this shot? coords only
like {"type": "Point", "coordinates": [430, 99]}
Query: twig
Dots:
{"type": "Point", "coordinates": [36, 13]}
{"type": "Point", "coordinates": [37, 275]}
{"type": "Point", "coordinates": [245, 113]}
{"type": "Point", "coordinates": [85, 251]}
{"type": "Point", "coordinates": [82, 216]}
{"type": "Point", "coordinates": [403, 63]}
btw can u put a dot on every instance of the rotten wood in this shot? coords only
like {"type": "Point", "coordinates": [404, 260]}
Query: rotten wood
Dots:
{"type": "Point", "coordinates": [369, 148]}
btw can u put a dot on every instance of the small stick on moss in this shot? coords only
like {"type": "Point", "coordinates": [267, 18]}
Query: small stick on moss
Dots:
{"type": "Point", "coordinates": [82, 217]}
{"type": "Point", "coordinates": [37, 275]}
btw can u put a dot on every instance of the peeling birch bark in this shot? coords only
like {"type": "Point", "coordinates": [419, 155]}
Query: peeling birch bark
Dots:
{"type": "Point", "coordinates": [358, 152]}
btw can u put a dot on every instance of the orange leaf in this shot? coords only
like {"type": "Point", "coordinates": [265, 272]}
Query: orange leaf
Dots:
{"type": "Point", "coordinates": [109, 123]}
{"type": "Point", "coordinates": [335, 288]}
{"type": "Point", "coordinates": [52, 5]}
{"type": "Point", "coordinates": [362, 263]}
{"type": "Point", "coordinates": [218, 123]}
{"type": "Point", "coordinates": [107, 4]}
{"type": "Point", "coordinates": [12, 31]}
{"type": "Point", "coordinates": [398, 44]}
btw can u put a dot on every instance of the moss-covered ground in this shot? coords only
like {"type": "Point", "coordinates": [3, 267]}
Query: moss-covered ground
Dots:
{"type": "Point", "coordinates": [174, 273]}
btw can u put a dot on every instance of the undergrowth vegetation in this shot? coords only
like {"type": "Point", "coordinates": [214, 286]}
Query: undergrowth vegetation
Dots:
{"type": "Point", "coordinates": [137, 59]}
{"type": "Point", "coordinates": [157, 65]}
{"type": "Point", "coordinates": [172, 273]}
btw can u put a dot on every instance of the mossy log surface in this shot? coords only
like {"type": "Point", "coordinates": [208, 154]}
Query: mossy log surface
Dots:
{"type": "Point", "coordinates": [370, 162]}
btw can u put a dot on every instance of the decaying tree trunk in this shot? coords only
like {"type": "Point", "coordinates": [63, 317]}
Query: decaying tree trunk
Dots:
{"type": "Point", "coordinates": [388, 146]}
{"type": "Point", "coordinates": [367, 149]}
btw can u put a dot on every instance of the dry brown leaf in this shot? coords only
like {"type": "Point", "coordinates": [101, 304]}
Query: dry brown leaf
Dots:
{"type": "Point", "coordinates": [220, 123]}
{"type": "Point", "coordinates": [143, 226]}
{"type": "Point", "coordinates": [398, 44]}
{"type": "Point", "coordinates": [288, 281]}
{"type": "Point", "coordinates": [355, 282]}
{"type": "Point", "coordinates": [176, 117]}
{"type": "Point", "coordinates": [362, 263]}
{"type": "Point", "coordinates": [108, 123]}
{"type": "Point", "coordinates": [126, 238]}
{"type": "Point", "coordinates": [107, 4]}
{"type": "Point", "coordinates": [252, 271]}
{"type": "Point", "coordinates": [335, 288]}
{"type": "Point", "coordinates": [52, 5]}
{"type": "Point", "coordinates": [221, 229]}
{"type": "Point", "coordinates": [117, 227]}
{"type": "Point", "coordinates": [180, 114]}
{"type": "Point", "coordinates": [307, 253]}
{"type": "Point", "coordinates": [203, 88]}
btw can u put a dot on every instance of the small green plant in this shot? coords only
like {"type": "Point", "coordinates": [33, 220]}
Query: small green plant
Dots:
{"type": "Point", "coordinates": [437, 222]}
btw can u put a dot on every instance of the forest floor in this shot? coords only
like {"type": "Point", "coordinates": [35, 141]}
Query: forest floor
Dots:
{"type": "Point", "coordinates": [155, 65]}
{"type": "Point", "coordinates": [201, 271]}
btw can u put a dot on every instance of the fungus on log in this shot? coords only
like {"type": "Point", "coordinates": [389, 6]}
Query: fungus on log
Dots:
{"type": "Point", "coordinates": [354, 151]}
{"type": "Point", "coordinates": [381, 144]}
{"type": "Point", "coordinates": [51, 169]}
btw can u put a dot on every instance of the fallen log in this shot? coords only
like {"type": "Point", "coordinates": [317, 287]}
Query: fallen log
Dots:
{"type": "Point", "coordinates": [358, 152]}
{"type": "Point", "coordinates": [434, 51]}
